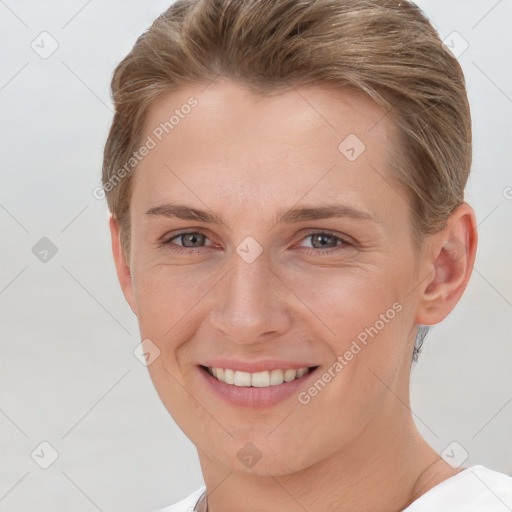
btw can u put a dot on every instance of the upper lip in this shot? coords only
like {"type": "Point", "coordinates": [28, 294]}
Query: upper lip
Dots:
{"type": "Point", "coordinates": [255, 366]}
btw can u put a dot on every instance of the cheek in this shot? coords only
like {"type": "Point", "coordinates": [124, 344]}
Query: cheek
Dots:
{"type": "Point", "coordinates": [166, 292]}
{"type": "Point", "coordinates": [169, 299]}
{"type": "Point", "coordinates": [350, 303]}
{"type": "Point", "coordinates": [365, 321]}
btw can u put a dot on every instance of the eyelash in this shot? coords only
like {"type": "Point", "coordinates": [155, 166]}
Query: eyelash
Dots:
{"type": "Point", "coordinates": [309, 250]}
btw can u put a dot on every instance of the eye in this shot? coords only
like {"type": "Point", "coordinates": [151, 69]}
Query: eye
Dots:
{"type": "Point", "coordinates": [322, 242]}
{"type": "Point", "coordinates": [192, 239]}
{"type": "Point", "coordinates": [186, 240]}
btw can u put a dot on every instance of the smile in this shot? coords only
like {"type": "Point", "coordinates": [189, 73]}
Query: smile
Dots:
{"type": "Point", "coordinates": [258, 379]}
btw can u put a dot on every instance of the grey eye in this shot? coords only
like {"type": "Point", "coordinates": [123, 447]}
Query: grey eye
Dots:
{"type": "Point", "coordinates": [323, 240]}
{"type": "Point", "coordinates": [191, 239]}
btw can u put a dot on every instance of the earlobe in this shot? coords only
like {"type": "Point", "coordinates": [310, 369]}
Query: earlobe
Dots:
{"type": "Point", "coordinates": [452, 257]}
{"type": "Point", "coordinates": [122, 267]}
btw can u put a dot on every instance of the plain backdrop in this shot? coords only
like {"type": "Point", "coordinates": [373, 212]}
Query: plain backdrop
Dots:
{"type": "Point", "coordinates": [69, 378]}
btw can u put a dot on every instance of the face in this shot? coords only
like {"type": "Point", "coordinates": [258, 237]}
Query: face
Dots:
{"type": "Point", "coordinates": [268, 243]}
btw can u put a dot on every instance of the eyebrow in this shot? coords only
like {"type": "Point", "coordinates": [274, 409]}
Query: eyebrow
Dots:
{"type": "Point", "coordinates": [179, 211]}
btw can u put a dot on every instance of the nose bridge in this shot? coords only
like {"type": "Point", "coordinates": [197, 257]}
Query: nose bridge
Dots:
{"type": "Point", "coordinates": [249, 303]}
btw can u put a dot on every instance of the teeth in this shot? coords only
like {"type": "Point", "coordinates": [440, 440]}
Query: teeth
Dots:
{"type": "Point", "coordinates": [258, 379]}
{"type": "Point", "coordinates": [289, 375]}
{"type": "Point", "coordinates": [242, 379]}
{"type": "Point", "coordinates": [229, 376]}
{"type": "Point", "coordinates": [276, 377]}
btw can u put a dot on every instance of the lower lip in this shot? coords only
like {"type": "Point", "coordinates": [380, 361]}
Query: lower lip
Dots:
{"type": "Point", "coordinates": [253, 397]}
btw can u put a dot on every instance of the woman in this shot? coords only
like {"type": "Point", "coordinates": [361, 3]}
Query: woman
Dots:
{"type": "Point", "coordinates": [286, 181]}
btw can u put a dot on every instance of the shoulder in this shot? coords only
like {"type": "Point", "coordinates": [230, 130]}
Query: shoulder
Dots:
{"type": "Point", "coordinates": [475, 489]}
{"type": "Point", "coordinates": [185, 505]}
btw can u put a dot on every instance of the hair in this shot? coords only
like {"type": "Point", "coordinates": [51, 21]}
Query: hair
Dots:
{"type": "Point", "coordinates": [386, 49]}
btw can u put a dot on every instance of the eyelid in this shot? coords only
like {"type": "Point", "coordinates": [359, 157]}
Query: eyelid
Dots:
{"type": "Point", "coordinates": [347, 240]}
{"type": "Point", "coordinates": [165, 239]}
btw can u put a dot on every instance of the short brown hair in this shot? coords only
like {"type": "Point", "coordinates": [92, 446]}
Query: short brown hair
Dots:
{"type": "Point", "coordinates": [385, 48]}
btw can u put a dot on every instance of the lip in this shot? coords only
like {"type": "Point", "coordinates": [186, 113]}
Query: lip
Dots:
{"type": "Point", "coordinates": [254, 397]}
{"type": "Point", "coordinates": [255, 366]}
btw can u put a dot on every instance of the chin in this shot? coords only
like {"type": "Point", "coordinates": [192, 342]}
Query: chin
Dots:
{"type": "Point", "coordinates": [260, 457]}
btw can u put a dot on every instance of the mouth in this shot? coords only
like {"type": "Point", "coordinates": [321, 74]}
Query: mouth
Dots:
{"type": "Point", "coordinates": [262, 379]}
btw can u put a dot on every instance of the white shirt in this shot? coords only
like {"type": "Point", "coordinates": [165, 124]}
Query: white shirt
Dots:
{"type": "Point", "coordinates": [475, 489]}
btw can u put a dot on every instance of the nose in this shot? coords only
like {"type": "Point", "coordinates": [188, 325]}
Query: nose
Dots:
{"type": "Point", "coordinates": [251, 303]}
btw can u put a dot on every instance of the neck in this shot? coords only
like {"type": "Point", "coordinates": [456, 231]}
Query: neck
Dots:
{"type": "Point", "coordinates": [387, 467]}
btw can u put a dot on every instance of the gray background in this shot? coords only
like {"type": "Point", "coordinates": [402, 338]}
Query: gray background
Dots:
{"type": "Point", "coordinates": [68, 374]}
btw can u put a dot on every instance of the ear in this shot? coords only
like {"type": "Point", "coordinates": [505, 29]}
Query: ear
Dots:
{"type": "Point", "coordinates": [451, 256]}
{"type": "Point", "coordinates": [122, 267]}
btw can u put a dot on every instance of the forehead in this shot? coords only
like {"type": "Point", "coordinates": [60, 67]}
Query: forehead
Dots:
{"type": "Point", "coordinates": [243, 148]}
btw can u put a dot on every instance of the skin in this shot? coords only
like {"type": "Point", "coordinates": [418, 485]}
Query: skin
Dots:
{"type": "Point", "coordinates": [246, 158]}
